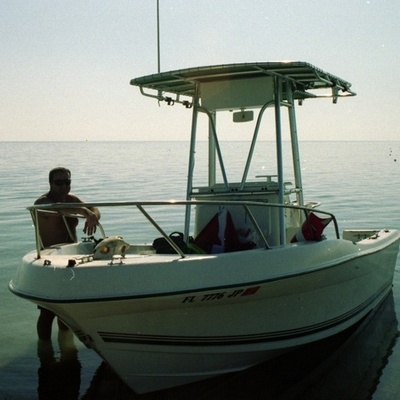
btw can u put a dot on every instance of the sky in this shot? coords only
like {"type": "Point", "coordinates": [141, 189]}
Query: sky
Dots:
{"type": "Point", "coordinates": [66, 64]}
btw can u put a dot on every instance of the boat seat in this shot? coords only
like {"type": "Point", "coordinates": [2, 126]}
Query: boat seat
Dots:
{"type": "Point", "coordinates": [312, 229]}
{"type": "Point", "coordinates": [220, 235]}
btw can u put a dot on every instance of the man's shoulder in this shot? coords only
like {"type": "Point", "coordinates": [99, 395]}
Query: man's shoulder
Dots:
{"type": "Point", "coordinates": [46, 199]}
{"type": "Point", "coordinates": [71, 198]}
{"type": "Point", "coordinates": [43, 199]}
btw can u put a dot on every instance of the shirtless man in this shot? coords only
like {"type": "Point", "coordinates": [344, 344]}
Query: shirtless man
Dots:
{"type": "Point", "coordinates": [53, 230]}
{"type": "Point", "coordinates": [51, 226]}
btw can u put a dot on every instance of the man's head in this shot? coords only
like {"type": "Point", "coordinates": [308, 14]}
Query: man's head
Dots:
{"type": "Point", "coordinates": [60, 181]}
{"type": "Point", "coordinates": [56, 171]}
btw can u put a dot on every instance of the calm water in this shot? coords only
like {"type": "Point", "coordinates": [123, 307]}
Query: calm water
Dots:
{"type": "Point", "coordinates": [358, 182]}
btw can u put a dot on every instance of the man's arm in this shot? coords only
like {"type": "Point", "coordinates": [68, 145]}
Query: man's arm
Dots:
{"type": "Point", "coordinates": [91, 214]}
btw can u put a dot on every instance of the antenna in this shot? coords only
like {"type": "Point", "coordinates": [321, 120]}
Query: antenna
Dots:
{"type": "Point", "coordinates": [160, 97]}
{"type": "Point", "coordinates": [158, 35]}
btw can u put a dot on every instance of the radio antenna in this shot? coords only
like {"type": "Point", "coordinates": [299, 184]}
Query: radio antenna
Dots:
{"type": "Point", "coordinates": [158, 35]}
{"type": "Point", "coordinates": [160, 97]}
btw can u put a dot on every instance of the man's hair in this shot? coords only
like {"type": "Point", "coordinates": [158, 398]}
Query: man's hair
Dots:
{"type": "Point", "coordinates": [57, 170]}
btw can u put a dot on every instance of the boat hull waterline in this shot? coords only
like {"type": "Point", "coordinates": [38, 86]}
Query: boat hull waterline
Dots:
{"type": "Point", "coordinates": [159, 340]}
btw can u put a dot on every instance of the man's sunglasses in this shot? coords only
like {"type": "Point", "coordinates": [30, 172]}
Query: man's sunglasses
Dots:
{"type": "Point", "coordinates": [60, 182]}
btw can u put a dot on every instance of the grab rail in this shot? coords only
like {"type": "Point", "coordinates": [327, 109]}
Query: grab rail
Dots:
{"type": "Point", "coordinates": [58, 207]}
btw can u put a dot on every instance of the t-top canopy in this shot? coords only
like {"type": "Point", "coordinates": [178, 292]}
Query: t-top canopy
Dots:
{"type": "Point", "coordinates": [304, 76]}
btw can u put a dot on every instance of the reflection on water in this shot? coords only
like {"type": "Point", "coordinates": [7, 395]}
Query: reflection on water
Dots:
{"type": "Point", "coordinates": [59, 376]}
{"type": "Point", "coordinates": [346, 366]}
{"type": "Point", "coordinates": [105, 385]}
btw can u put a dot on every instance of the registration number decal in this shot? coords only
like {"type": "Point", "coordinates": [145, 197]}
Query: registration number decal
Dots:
{"type": "Point", "coordinates": [221, 295]}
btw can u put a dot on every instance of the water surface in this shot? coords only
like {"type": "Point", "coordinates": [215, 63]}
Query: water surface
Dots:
{"type": "Point", "coordinates": [358, 182]}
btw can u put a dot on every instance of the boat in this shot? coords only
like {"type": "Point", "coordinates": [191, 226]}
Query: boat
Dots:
{"type": "Point", "coordinates": [251, 269]}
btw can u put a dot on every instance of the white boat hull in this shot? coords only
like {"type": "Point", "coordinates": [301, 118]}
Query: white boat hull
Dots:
{"type": "Point", "coordinates": [162, 321]}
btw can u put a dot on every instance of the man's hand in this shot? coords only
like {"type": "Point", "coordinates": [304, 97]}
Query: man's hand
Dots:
{"type": "Point", "coordinates": [90, 223]}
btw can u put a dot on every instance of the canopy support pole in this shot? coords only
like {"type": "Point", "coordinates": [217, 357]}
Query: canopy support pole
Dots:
{"type": "Point", "coordinates": [279, 157]}
{"type": "Point", "coordinates": [295, 145]}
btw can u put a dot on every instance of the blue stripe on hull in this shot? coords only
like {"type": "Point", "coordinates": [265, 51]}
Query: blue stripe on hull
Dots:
{"type": "Point", "coordinates": [197, 341]}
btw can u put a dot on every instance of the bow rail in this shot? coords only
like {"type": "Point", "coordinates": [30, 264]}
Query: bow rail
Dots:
{"type": "Point", "coordinates": [248, 208]}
